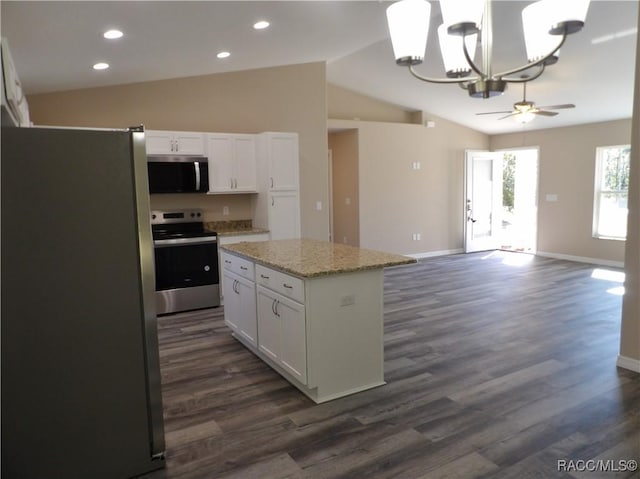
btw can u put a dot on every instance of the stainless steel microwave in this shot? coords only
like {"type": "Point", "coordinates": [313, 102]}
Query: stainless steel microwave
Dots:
{"type": "Point", "coordinates": [178, 174]}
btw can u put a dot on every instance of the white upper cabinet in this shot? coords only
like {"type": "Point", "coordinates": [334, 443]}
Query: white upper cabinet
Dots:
{"type": "Point", "coordinates": [280, 150]}
{"type": "Point", "coordinates": [232, 163]}
{"type": "Point", "coordinates": [174, 143]}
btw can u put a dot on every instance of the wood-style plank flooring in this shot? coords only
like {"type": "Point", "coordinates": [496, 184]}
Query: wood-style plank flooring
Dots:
{"type": "Point", "coordinates": [497, 365]}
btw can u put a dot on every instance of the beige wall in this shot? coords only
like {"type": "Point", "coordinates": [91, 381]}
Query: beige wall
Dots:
{"type": "Point", "coordinates": [290, 98]}
{"type": "Point", "coordinates": [630, 331]}
{"type": "Point", "coordinates": [567, 169]}
{"type": "Point", "coordinates": [343, 104]}
{"type": "Point", "coordinates": [345, 174]}
{"type": "Point", "coordinates": [397, 201]}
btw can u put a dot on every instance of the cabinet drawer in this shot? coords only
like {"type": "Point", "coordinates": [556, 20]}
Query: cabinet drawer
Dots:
{"type": "Point", "coordinates": [240, 266]}
{"type": "Point", "coordinates": [282, 283]}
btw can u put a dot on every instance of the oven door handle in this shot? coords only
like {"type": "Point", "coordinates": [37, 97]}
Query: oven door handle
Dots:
{"type": "Point", "coordinates": [184, 241]}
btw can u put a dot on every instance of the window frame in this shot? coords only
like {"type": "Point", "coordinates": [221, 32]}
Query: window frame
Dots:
{"type": "Point", "coordinates": [599, 192]}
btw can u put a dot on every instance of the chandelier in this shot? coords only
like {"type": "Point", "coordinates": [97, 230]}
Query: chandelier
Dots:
{"type": "Point", "coordinates": [546, 24]}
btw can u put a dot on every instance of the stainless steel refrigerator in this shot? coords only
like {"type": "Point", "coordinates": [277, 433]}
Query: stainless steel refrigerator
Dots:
{"type": "Point", "coordinates": [80, 365]}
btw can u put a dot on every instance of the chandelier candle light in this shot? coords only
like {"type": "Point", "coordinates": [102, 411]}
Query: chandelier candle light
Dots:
{"type": "Point", "coordinates": [546, 24]}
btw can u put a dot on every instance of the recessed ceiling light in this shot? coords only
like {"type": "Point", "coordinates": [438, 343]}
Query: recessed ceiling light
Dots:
{"type": "Point", "coordinates": [100, 66]}
{"type": "Point", "coordinates": [223, 54]}
{"type": "Point", "coordinates": [112, 34]}
{"type": "Point", "coordinates": [261, 25]}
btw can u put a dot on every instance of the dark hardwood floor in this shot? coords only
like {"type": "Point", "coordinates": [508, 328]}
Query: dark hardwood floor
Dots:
{"type": "Point", "coordinates": [498, 365]}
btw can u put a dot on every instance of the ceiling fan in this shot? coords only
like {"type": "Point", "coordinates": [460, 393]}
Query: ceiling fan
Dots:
{"type": "Point", "coordinates": [524, 111]}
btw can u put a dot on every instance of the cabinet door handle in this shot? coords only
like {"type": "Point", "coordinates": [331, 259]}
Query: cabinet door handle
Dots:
{"type": "Point", "coordinates": [177, 146]}
{"type": "Point", "coordinates": [227, 261]}
{"type": "Point", "coordinates": [287, 286]}
{"type": "Point", "coordinates": [231, 183]}
{"type": "Point", "coordinates": [272, 202]}
{"type": "Point", "coordinates": [264, 277]}
{"type": "Point", "coordinates": [271, 178]}
{"type": "Point", "coordinates": [273, 307]}
{"type": "Point", "coordinates": [235, 183]}
{"type": "Point", "coordinates": [243, 268]}
{"type": "Point", "coordinates": [277, 303]}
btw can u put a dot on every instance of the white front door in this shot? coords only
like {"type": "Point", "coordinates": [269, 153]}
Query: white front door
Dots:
{"type": "Point", "coordinates": [483, 200]}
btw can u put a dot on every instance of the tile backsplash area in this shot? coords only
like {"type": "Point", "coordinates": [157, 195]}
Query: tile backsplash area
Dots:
{"type": "Point", "coordinates": [216, 208]}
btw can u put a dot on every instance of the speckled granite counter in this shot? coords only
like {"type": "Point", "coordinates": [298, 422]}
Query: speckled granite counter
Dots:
{"type": "Point", "coordinates": [233, 228]}
{"type": "Point", "coordinates": [309, 258]}
{"type": "Point", "coordinates": [251, 231]}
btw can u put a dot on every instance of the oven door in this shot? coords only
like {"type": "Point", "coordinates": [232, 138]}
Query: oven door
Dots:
{"type": "Point", "coordinates": [186, 262]}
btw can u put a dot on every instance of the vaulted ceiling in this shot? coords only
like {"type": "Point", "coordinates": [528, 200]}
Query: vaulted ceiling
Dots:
{"type": "Point", "coordinates": [55, 44]}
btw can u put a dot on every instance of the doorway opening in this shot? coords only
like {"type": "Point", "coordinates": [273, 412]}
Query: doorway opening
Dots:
{"type": "Point", "coordinates": [501, 191]}
{"type": "Point", "coordinates": [519, 215]}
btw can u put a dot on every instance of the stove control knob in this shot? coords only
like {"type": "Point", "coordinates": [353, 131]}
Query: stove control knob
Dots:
{"type": "Point", "coordinates": [153, 217]}
{"type": "Point", "coordinates": [198, 215]}
{"type": "Point", "coordinates": [207, 268]}
{"type": "Point", "coordinates": [193, 214]}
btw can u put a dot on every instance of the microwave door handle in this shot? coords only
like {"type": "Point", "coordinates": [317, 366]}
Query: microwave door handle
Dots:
{"type": "Point", "coordinates": [196, 164]}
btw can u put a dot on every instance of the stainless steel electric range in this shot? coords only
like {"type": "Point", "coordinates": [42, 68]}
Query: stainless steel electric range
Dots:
{"type": "Point", "coordinates": [186, 261]}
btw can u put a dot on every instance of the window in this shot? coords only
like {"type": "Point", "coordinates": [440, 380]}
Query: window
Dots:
{"type": "Point", "coordinates": [611, 192]}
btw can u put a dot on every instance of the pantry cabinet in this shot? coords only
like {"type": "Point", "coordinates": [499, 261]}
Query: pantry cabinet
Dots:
{"type": "Point", "coordinates": [160, 142]}
{"type": "Point", "coordinates": [277, 206]}
{"type": "Point", "coordinates": [232, 163]}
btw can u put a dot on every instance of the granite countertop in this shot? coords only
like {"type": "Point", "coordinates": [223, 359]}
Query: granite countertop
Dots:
{"type": "Point", "coordinates": [233, 228]}
{"type": "Point", "coordinates": [309, 258]}
{"type": "Point", "coordinates": [249, 231]}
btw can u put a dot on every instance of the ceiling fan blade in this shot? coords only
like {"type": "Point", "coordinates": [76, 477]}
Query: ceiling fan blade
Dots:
{"type": "Point", "coordinates": [558, 107]}
{"type": "Point", "coordinates": [512, 113]}
{"type": "Point", "coordinates": [545, 113]}
{"type": "Point", "coordinates": [494, 112]}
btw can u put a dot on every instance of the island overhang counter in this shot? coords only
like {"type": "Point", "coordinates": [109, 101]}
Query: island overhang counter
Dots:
{"type": "Point", "coordinates": [312, 310]}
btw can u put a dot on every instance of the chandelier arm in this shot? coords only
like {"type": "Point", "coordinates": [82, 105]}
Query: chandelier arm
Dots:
{"type": "Point", "coordinates": [542, 66]}
{"type": "Point", "coordinates": [473, 66]}
{"type": "Point", "coordinates": [533, 64]}
{"type": "Point", "coordinates": [440, 80]}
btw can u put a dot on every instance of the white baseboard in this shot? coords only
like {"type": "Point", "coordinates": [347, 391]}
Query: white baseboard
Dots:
{"type": "Point", "coordinates": [582, 259]}
{"type": "Point", "coordinates": [431, 254]}
{"type": "Point", "coordinates": [628, 363]}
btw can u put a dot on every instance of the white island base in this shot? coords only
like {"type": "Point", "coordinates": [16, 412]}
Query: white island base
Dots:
{"type": "Point", "coordinates": [342, 340]}
{"type": "Point", "coordinates": [311, 310]}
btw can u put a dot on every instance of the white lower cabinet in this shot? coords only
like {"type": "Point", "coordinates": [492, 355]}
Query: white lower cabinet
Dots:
{"type": "Point", "coordinates": [240, 307]}
{"type": "Point", "coordinates": [282, 332]}
{"type": "Point", "coordinates": [223, 240]}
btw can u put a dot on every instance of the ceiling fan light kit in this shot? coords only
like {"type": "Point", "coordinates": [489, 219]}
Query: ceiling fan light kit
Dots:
{"type": "Point", "coordinates": [546, 24]}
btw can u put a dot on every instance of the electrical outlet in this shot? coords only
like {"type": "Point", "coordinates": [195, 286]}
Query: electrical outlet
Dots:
{"type": "Point", "coordinates": [225, 211]}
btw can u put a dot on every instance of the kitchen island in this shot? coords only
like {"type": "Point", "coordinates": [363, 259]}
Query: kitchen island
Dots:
{"type": "Point", "coordinates": [312, 310]}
